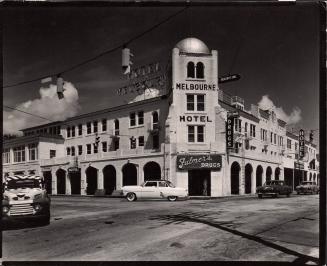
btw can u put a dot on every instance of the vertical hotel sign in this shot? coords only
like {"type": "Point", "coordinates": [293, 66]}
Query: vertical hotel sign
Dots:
{"type": "Point", "coordinates": [301, 143]}
{"type": "Point", "coordinates": [230, 132]}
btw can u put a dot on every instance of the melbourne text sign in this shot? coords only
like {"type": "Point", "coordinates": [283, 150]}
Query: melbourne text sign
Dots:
{"type": "Point", "coordinates": [186, 162]}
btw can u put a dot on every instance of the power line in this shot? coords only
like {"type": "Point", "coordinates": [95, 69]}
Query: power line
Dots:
{"type": "Point", "coordinates": [12, 108]}
{"type": "Point", "coordinates": [103, 53]}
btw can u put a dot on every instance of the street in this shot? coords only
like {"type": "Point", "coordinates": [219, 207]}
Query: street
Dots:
{"type": "Point", "coordinates": [231, 228]}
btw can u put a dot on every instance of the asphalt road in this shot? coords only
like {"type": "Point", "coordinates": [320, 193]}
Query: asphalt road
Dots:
{"type": "Point", "coordinates": [111, 229]}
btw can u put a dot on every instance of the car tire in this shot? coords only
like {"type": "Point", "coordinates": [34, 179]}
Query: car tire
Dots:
{"type": "Point", "coordinates": [172, 198]}
{"type": "Point", "coordinates": [260, 196]}
{"type": "Point", "coordinates": [131, 197]}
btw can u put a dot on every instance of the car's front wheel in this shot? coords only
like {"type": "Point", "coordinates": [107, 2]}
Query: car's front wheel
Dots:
{"type": "Point", "coordinates": [131, 196]}
{"type": "Point", "coordinates": [172, 198]}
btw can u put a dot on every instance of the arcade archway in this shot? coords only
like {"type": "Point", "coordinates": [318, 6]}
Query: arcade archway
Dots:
{"type": "Point", "coordinates": [129, 174]}
{"type": "Point", "coordinates": [109, 179]}
{"type": "Point", "coordinates": [91, 180]}
{"type": "Point", "coordinates": [258, 175]}
{"type": "Point", "coordinates": [248, 178]}
{"type": "Point", "coordinates": [152, 171]}
{"type": "Point", "coordinates": [268, 173]}
{"type": "Point", "coordinates": [277, 173]}
{"type": "Point", "coordinates": [235, 178]}
{"type": "Point", "coordinates": [61, 181]}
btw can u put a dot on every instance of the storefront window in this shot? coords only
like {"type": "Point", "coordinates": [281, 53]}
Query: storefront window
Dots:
{"type": "Point", "coordinates": [32, 152]}
{"type": "Point", "coordinates": [19, 154]}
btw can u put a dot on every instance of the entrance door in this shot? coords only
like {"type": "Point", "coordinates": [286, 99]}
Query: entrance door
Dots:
{"type": "Point", "coordinates": [75, 180]}
{"type": "Point", "coordinates": [48, 181]}
{"type": "Point", "coordinates": [199, 182]}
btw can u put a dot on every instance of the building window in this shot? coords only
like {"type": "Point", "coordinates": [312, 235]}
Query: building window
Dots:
{"type": "Point", "coordinates": [19, 154]}
{"type": "Point", "coordinates": [190, 70]}
{"type": "Point", "coordinates": [80, 130]}
{"type": "Point", "coordinates": [95, 148]}
{"type": "Point", "coordinates": [155, 141]}
{"type": "Point", "coordinates": [252, 130]}
{"type": "Point", "coordinates": [68, 151]}
{"type": "Point", "coordinates": [104, 125]}
{"type": "Point", "coordinates": [32, 152]}
{"type": "Point", "coordinates": [200, 102]}
{"type": "Point", "coordinates": [80, 149]}
{"type": "Point", "coordinates": [104, 146]}
{"type": "Point", "coordinates": [190, 102]}
{"type": "Point", "coordinates": [73, 151]}
{"type": "Point", "coordinates": [88, 148]}
{"type": "Point", "coordinates": [116, 127]}
{"type": "Point", "coordinates": [237, 124]}
{"type": "Point", "coordinates": [295, 145]}
{"type": "Point", "coordinates": [141, 141]}
{"type": "Point", "coordinates": [73, 131]}
{"type": "Point", "coordinates": [200, 70]}
{"type": "Point", "coordinates": [68, 132]}
{"type": "Point", "coordinates": [58, 130]}
{"type": "Point", "coordinates": [289, 144]}
{"type": "Point", "coordinates": [271, 137]}
{"type": "Point", "coordinates": [275, 138]}
{"type": "Point", "coordinates": [132, 119]}
{"type": "Point", "coordinates": [116, 144]}
{"type": "Point", "coordinates": [140, 116]}
{"type": "Point", "coordinates": [246, 127]}
{"type": "Point", "coordinates": [6, 156]}
{"type": "Point", "coordinates": [200, 135]}
{"type": "Point", "coordinates": [95, 126]}
{"type": "Point", "coordinates": [191, 133]}
{"type": "Point", "coordinates": [193, 100]}
{"type": "Point", "coordinates": [89, 128]}
{"type": "Point", "coordinates": [52, 154]}
{"type": "Point", "coordinates": [132, 143]}
{"type": "Point", "coordinates": [155, 120]}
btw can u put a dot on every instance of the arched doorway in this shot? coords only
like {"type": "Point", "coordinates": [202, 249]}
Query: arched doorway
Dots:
{"type": "Point", "coordinates": [91, 180]}
{"type": "Point", "coordinates": [75, 182]}
{"type": "Point", "coordinates": [277, 173]}
{"type": "Point", "coordinates": [109, 179]}
{"type": "Point", "coordinates": [152, 171]}
{"type": "Point", "coordinates": [235, 178]}
{"type": "Point", "coordinates": [259, 175]}
{"type": "Point", "coordinates": [48, 181]}
{"type": "Point", "coordinates": [268, 173]}
{"type": "Point", "coordinates": [61, 181]}
{"type": "Point", "coordinates": [129, 174]}
{"type": "Point", "coordinates": [310, 178]}
{"type": "Point", "coordinates": [248, 177]}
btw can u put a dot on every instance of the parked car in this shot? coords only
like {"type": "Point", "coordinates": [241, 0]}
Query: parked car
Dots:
{"type": "Point", "coordinates": [274, 188]}
{"type": "Point", "coordinates": [25, 198]}
{"type": "Point", "coordinates": [307, 187]}
{"type": "Point", "coordinates": [154, 189]}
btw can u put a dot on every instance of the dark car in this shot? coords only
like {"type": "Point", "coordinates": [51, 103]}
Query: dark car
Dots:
{"type": "Point", "coordinates": [274, 188]}
{"type": "Point", "coordinates": [307, 187]}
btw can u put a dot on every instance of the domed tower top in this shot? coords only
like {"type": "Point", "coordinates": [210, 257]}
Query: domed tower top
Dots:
{"type": "Point", "coordinates": [192, 45]}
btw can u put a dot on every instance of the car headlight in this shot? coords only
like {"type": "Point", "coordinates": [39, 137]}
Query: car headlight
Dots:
{"type": "Point", "coordinates": [5, 209]}
{"type": "Point", "coordinates": [37, 207]}
{"type": "Point", "coordinates": [38, 196]}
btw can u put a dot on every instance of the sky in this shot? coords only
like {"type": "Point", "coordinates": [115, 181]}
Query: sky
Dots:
{"type": "Point", "coordinates": [275, 49]}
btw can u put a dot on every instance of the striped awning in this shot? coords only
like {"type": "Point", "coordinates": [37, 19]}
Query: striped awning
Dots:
{"type": "Point", "coordinates": [22, 177]}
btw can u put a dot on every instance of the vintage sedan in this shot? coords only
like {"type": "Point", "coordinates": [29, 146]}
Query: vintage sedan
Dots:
{"type": "Point", "coordinates": [307, 187]}
{"type": "Point", "coordinates": [274, 188]}
{"type": "Point", "coordinates": [154, 189]}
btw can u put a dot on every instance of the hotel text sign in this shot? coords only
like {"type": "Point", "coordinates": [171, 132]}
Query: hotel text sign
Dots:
{"type": "Point", "coordinates": [301, 143]}
{"type": "Point", "coordinates": [186, 162]}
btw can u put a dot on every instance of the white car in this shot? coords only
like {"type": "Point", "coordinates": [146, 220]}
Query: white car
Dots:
{"type": "Point", "coordinates": [154, 189]}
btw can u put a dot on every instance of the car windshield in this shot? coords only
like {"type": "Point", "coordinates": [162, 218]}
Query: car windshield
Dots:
{"type": "Point", "coordinates": [27, 183]}
{"type": "Point", "coordinates": [170, 184]}
{"type": "Point", "coordinates": [271, 183]}
{"type": "Point", "coordinates": [307, 183]}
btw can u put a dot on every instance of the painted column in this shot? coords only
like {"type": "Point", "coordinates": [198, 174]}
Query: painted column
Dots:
{"type": "Point", "coordinates": [253, 181]}
{"type": "Point", "coordinates": [83, 180]}
{"type": "Point", "coordinates": [54, 182]}
{"type": "Point", "coordinates": [119, 177]}
{"type": "Point", "coordinates": [140, 170]}
{"type": "Point", "coordinates": [100, 179]}
{"type": "Point", "coordinates": [68, 183]}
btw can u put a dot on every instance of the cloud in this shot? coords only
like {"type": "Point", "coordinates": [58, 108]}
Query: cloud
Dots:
{"type": "Point", "coordinates": [48, 106]}
{"type": "Point", "coordinates": [294, 117]}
